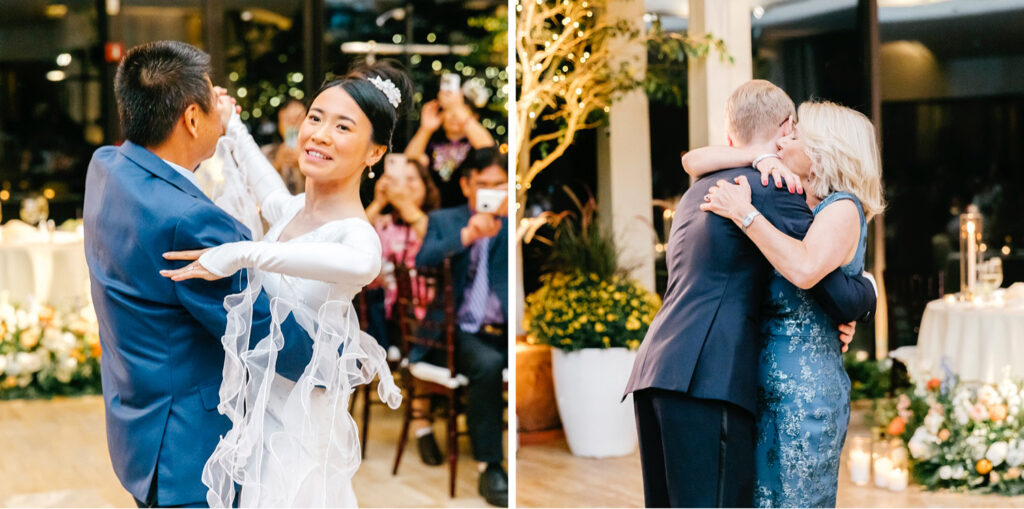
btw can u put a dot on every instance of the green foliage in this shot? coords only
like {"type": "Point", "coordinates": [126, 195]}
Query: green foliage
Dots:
{"type": "Point", "coordinates": [870, 379]}
{"type": "Point", "coordinates": [667, 56]}
{"type": "Point", "coordinates": [578, 310]}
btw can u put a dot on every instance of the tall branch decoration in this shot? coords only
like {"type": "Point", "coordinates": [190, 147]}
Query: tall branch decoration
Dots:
{"type": "Point", "coordinates": [570, 69]}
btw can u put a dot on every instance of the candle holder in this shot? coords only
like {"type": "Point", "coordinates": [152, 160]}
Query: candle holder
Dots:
{"type": "Point", "coordinates": [860, 460]}
{"type": "Point", "coordinates": [899, 475]}
{"type": "Point", "coordinates": [881, 463]}
{"type": "Point", "coordinates": [970, 251]}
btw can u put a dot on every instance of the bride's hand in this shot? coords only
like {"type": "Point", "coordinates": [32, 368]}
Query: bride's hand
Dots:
{"type": "Point", "coordinates": [194, 270]}
{"type": "Point", "coordinates": [731, 201]}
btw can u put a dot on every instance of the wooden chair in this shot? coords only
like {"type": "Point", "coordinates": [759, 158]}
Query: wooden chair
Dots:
{"type": "Point", "coordinates": [362, 311]}
{"type": "Point", "coordinates": [433, 327]}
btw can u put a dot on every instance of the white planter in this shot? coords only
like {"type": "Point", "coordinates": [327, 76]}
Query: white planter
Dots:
{"type": "Point", "coordinates": [588, 388]}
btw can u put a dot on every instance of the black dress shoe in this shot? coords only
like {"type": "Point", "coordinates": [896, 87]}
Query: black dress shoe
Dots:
{"type": "Point", "coordinates": [429, 452]}
{"type": "Point", "coordinates": [494, 485]}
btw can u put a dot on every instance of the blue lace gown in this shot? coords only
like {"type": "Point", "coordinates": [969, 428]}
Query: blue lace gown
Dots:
{"type": "Point", "coordinates": [803, 393]}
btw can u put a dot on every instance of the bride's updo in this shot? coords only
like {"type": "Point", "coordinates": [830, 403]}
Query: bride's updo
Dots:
{"type": "Point", "coordinates": [375, 87]}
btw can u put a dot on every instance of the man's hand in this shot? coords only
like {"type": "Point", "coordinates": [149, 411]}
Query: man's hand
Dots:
{"type": "Point", "coordinates": [846, 331]}
{"type": "Point", "coordinates": [481, 225]}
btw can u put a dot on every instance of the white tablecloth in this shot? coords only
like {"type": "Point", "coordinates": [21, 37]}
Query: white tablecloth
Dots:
{"type": "Point", "coordinates": [50, 268]}
{"type": "Point", "coordinates": [975, 341]}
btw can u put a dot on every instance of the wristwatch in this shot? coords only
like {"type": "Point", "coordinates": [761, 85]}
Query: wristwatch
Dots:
{"type": "Point", "coordinates": [748, 219]}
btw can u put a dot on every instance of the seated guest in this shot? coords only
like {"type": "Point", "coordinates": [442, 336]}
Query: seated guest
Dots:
{"type": "Point", "coordinates": [402, 197]}
{"type": "Point", "coordinates": [448, 135]}
{"type": "Point", "coordinates": [477, 244]}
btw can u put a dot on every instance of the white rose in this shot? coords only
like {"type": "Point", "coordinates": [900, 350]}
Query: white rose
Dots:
{"type": "Point", "coordinates": [933, 421]}
{"type": "Point", "coordinates": [979, 412]}
{"type": "Point", "coordinates": [1015, 456]}
{"type": "Point", "coordinates": [1007, 389]}
{"type": "Point", "coordinates": [961, 416]}
{"type": "Point", "coordinates": [976, 445]}
{"type": "Point", "coordinates": [922, 444]}
{"type": "Point", "coordinates": [28, 363]}
{"type": "Point", "coordinates": [989, 396]}
{"type": "Point", "coordinates": [3, 364]}
{"type": "Point", "coordinates": [945, 472]}
{"type": "Point", "coordinates": [959, 472]}
{"type": "Point", "coordinates": [997, 453]}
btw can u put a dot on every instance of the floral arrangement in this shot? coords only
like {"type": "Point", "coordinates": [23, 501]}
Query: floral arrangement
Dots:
{"type": "Point", "coordinates": [578, 310]}
{"type": "Point", "coordinates": [962, 436]}
{"type": "Point", "coordinates": [45, 352]}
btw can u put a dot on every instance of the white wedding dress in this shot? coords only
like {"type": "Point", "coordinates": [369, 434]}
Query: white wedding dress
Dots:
{"type": "Point", "coordinates": [292, 444]}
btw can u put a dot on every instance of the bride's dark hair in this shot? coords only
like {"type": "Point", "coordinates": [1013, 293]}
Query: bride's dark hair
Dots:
{"type": "Point", "coordinates": [374, 103]}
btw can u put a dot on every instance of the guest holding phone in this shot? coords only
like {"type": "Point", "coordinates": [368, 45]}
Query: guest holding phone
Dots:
{"type": "Point", "coordinates": [284, 154]}
{"type": "Point", "coordinates": [445, 152]}
{"type": "Point", "coordinates": [475, 238]}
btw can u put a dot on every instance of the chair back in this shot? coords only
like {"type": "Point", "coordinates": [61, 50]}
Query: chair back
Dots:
{"type": "Point", "coordinates": [425, 308]}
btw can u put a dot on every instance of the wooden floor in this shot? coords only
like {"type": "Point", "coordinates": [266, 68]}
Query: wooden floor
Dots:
{"type": "Point", "coordinates": [549, 476]}
{"type": "Point", "coordinates": [54, 454]}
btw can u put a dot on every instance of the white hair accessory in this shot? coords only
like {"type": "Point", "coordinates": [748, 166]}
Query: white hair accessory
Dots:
{"type": "Point", "coordinates": [388, 89]}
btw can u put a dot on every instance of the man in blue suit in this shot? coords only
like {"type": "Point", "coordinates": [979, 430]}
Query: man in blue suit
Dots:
{"type": "Point", "coordinates": [694, 381]}
{"type": "Point", "coordinates": [162, 355]}
{"type": "Point", "coordinates": [477, 244]}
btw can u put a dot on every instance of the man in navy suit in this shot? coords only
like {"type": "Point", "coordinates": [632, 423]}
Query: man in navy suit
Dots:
{"type": "Point", "coordinates": [162, 355]}
{"type": "Point", "coordinates": [694, 381]}
{"type": "Point", "coordinates": [477, 244]}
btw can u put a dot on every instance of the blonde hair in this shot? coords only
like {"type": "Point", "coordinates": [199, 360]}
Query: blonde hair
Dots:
{"type": "Point", "coordinates": [843, 148]}
{"type": "Point", "coordinates": [756, 109]}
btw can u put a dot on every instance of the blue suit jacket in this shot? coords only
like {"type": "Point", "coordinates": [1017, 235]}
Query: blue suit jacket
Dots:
{"type": "Point", "coordinates": [162, 356]}
{"type": "Point", "coordinates": [444, 240]}
{"type": "Point", "coordinates": [703, 341]}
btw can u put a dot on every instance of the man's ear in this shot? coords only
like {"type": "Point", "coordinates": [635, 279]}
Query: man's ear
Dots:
{"type": "Point", "coordinates": [787, 126]}
{"type": "Point", "coordinates": [464, 184]}
{"type": "Point", "coordinates": [191, 119]}
{"type": "Point", "coordinates": [728, 137]}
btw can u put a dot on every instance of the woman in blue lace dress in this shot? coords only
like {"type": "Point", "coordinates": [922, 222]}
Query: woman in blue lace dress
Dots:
{"type": "Point", "coordinates": [803, 389]}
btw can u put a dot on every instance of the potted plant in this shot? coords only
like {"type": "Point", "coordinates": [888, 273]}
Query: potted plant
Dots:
{"type": "Point", "coordinates": [594, 317]}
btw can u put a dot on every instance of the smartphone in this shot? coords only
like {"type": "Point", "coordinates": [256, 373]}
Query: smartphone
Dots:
{"type": "Point", "coordinates": [489, 200]}
{"type": "Point", "coordinates": [392, 162]}
{"type": "Point", "coordinates": [451, 82]}
{"type": "Point", "coordinates": [291, 137]}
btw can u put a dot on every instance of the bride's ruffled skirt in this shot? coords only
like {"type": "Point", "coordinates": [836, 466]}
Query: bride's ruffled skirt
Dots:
{"type": "Point", "coordinates": [292, 444]}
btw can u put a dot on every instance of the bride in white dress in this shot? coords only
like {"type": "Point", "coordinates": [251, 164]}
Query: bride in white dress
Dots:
{"type": "Point", "coordinates": [293, 444]}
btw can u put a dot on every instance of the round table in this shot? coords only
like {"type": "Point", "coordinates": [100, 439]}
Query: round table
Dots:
{"type": "Point", "coordinates": [48, 267]}
{"type": "Point", "coordinates": [975, 341]}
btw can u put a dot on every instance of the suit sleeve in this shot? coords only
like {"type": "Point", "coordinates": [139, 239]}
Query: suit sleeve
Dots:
{"type": "Point", "coordinates": [204, 300]}
{"type": "Point", "coordinates": [845, 298]}
{"type": "Point", "coordinates": [443, 240]}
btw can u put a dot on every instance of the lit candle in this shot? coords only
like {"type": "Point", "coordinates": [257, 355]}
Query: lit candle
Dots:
{"type": "Point", "coordinates": [972, 256]}
{"type": "Point", "coordinates": [860, 467]}
{"type": "Point", "coordinates": [898, 479]}
{"type": "Point", "coordinates": [883, 467]}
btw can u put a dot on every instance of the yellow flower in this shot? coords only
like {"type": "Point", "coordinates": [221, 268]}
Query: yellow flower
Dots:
{"type": "Point", "coordinates": [29, 338]}
{"type": "Point", "coordinates": [611, 317]}
{"type": "Point", "coordinates": [633, 344]}
{"type": "Point", "coordinates": [599, 327]}
{"type": "Point", "coordinates": [607, 341]}
{"type": "Point", "coordinates": [633, 324]}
